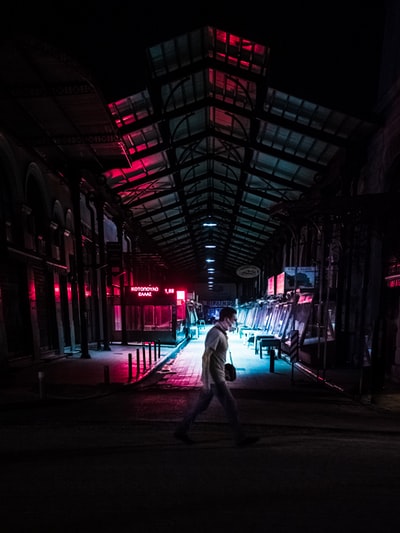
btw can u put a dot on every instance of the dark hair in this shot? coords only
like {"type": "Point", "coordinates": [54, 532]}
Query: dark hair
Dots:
{"type": "Point", "coordinates": [227, 312]}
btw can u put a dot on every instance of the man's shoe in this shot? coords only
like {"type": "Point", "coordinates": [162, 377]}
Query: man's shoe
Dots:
{"type": "Point", "coordinates": [247, 441]}
{"type": "Point", "coordinates": [180, 435]}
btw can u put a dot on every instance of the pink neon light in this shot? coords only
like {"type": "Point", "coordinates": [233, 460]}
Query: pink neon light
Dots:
{"type": "Point", "coordinates": [57, 292]}
{"type": "Point", "coordinates": [180, 295]}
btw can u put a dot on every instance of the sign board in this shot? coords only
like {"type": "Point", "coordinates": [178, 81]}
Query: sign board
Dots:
{"type": "Point", "coordinates": [302, 277]}
{"type": "Point", "coordinates": [271, 286]}
{"type": "Point", "coordinates": [248, 271]}
{"type": "Point", "coordinates": [155, 295]}
{"type": "Point", "coordinates": [293, 278]}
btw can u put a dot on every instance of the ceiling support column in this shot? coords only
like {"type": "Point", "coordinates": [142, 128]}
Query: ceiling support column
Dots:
{"type": "Point", "coordinates": [102, 260]}
{"type": "Point", "coordinates": [75, 180]}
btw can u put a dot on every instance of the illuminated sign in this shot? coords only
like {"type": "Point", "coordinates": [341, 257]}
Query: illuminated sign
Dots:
{"type": "Point", "coordinates": [180, 295]}
{"type": "Point", "coordinates": [145, 291]}
{"type": "Point", "coordinates": [271, 286]}
{"type": "Point", "coordinates": [280, 283]}
{"type": "Point", "coordinates": [393, 283]}
{"type": "Point", "coordinates": [155, 294]}
{"type": "Point", "coordinates": [169, 291]}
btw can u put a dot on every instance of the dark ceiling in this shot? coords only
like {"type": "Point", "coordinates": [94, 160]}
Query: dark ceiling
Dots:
{"type": "Point", "coordinates": [207, 140]}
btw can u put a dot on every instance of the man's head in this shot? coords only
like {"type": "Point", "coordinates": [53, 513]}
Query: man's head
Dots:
{"type": "Point", "coordinates": [227, 317]}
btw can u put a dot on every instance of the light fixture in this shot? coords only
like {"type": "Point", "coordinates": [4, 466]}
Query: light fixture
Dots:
{"type": "Point", "coordinates": [210, 246]}
{"type": "Point", "coordinates": [209, 224]}
{"type": "Point", "coordinates": [210, 260]}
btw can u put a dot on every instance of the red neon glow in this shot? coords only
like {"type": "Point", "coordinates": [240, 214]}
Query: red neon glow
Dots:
{"type": "Point", "coordinates": [271, 286]}
{"type": "Point", "coordinates": [117, 318]}
{"type": "Point", "coordinates": [145, 291]}
{"type": "Point", "coordinates": [32, 291]}
{"type": "Point", "coordinates": [180, 295]}
{"type": "Point", "coordinates": [305, 298]}
{"type": "Point", "coordinates": [145, 288]}
{"type": "Point", "coordinates": [280, 283]}
{"type": "Point", "coordinates": [180, 304]}
{"type": "Point", "coordinates": [88, 291]}
{"type": "Point", "coordinates": [139, 144]}
{"type": "Point", "coordinates": [247, 49]}
{"type": "Point", "coordinates": [57, 292]}
{"type": "Point", "coordinates": [169, 291]}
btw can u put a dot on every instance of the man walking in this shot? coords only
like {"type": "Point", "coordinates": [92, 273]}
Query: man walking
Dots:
{"type": "Point", "coordinates": [214, 382]}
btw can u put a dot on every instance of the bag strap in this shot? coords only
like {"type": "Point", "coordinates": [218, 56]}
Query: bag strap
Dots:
{"type": "Point", "coordinates": [230, 355]}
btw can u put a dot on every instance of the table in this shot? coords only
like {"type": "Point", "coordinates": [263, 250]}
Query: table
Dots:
{"type": "Point", "coordinates": [267, 341]}
{"type": "Point", "coordinates": [270, 342]}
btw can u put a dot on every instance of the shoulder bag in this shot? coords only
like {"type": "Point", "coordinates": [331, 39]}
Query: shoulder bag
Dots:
{"type": "Point", "coordinates": [230, 370]}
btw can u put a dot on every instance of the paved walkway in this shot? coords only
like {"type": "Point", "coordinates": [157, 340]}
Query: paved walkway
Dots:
{"type": "Point", "coordinates": [73, 377]}
{"type": "Point", "coordinates": [253, 372]}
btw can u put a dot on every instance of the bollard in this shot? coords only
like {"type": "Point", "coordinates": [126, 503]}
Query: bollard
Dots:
{"type": "Point", "coordinates": [144, 357]}
{"type": "Point", "coordinates": [159, 348]}
{"type": "Point", "coordinates": [106, 374]}
{"type": "Point", "coordinates": [129, 366]}
{"type": "Point", "coordinates": [42, 394]}
{"type": "Point", "coordinates": [272, 360]}
{"type": "Point", "coordinates": [137, 361]}
{"type": "Point", "coordinates": [150, 354]}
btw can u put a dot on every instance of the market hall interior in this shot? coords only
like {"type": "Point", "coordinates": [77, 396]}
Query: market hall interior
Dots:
{"type": "Point", "coordinates": [138, 219]}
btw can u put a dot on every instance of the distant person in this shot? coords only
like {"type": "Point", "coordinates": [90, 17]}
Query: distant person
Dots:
{"type": "Point", "coordinates": [214, 383]}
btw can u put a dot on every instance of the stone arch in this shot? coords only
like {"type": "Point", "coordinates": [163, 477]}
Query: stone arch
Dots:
{"type": "Point", "coordinates": [69, 221]}
{"type": "Point", "coordinates": [58, 214]}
